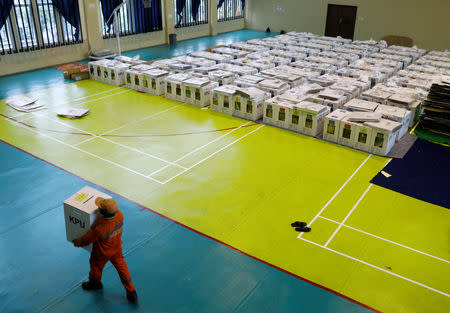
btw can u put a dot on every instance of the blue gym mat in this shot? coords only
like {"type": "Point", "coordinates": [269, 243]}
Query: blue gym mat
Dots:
{"type": "Point", "coordinates": [173, 268]}
{"type": "Point", "coordinates": [423, 173]}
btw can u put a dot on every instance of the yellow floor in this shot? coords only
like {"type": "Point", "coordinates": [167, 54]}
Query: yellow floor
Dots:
{"type": "Point", "coordinates": [245, 185]}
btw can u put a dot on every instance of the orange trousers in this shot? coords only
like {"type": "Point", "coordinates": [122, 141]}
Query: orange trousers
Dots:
{"type": "Point", "coordinates": [98, 262]}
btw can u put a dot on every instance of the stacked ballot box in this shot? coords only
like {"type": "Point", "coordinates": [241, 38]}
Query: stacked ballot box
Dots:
{"type": "Point", "coordinates": [197, 90]}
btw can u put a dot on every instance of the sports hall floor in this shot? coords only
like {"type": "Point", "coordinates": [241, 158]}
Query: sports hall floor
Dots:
{"type": "Point", "coordinates": [208, 201]}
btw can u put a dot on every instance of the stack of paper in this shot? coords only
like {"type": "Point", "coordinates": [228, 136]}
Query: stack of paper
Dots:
{"type": "Point", "coordinates": [72, 113]}
{"type": "Point", "coordinates": [24, 104]}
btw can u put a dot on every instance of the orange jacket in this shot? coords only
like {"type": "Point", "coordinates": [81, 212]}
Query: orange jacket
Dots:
{"type": "Point", "coordinates": [105, 233]}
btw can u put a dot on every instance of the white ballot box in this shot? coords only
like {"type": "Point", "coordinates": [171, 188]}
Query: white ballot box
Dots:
{"type": "Point", "coordinates": [80, 213]}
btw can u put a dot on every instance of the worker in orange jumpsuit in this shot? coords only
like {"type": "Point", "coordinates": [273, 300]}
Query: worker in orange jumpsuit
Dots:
{"type": "Point", "coordinates": [105, 235]}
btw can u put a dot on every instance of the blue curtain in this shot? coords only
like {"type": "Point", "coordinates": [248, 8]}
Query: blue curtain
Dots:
{"type": "Point", "coordinates": [108, 7]}
{"type": "Point", "coordinates": [5, 8]}
{"type": "Point", "coordinates": [242, 5]}
{"type": "Point", "coordinates": [147, 19]}
{"type": "Point", "coordinates": [219, 5]}
{"type": "Point", "coordinates": [70, 11]}
{"type": "Point", "coordinates": [180, 7]}
{"type": "Point", "coordinates": [195, 7]}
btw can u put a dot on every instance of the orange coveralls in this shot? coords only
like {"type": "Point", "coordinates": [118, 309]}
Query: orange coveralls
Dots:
{"type": "Point", "coordinates": [106, 234]}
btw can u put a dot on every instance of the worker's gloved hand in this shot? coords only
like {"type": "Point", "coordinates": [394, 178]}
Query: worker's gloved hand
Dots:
{"type": "Point", "coordinates": [77, 242]}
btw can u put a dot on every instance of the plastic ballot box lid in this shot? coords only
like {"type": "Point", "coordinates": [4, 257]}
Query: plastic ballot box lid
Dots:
{"type": "Point", "coordinates": [80, 212]}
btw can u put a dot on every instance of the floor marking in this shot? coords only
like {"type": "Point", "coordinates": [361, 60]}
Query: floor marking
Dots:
{"type": "Point", "coordinates": [114, 94]}
{"type": "Point", "coordinates": [348, 215]}
{"type": "Point", "coordinates": [378, 268]}
{"type": "Point", "coordinates": [113, 142]}
{"type": "Point", "coordinates": [89, 153]}
{"type": "Point", "coordinates": [387, 240]}
{"type": "Point", "coordinates": [199, 148]}
{"type": "Point", "coordinates": [149, 116]}
{"type": "Point", "coordinates": [337, 192]}
{"type": "Point", "coordinates": [212, 154]}
{"type": "Point", "coordinates": [95, 94]}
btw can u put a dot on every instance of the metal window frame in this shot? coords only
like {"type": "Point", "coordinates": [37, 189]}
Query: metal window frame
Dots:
{"type": "Point", "coordinates": [33, 28]}
{"type": "Point", "coordinates": [228, 11]}
{"type": "Point", "coordinates": [187, 20]}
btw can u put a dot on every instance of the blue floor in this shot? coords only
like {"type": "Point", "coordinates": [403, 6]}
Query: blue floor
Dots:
{"type": "Point", "coordinates": [174, 269]}
{"type": "Point", "coordinates": [16, 84]}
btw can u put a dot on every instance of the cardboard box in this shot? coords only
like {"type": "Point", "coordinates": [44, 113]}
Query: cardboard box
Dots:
{"type": "Point", "coordinates": [80, 213]}
{"type": "Point", "coordinates": [67, 72]}
{"type": "Point", "coordinates": [222, 77]}
{"type": "Point", "coordinates": [222, 98]}
{"type": "Point", "coordinates": [248, 103]}
{"type": "Point", "coordinates": [153, 81]}
{"type": "Point", "coordinates": [347, 132]}
{"type": "Point", "coordinates": [384, 135]}
{"type": "Point", "coordinates": [277, 112]}
{"type": "Point", "coordinates": [359, 105]}
{"type": "Point", "coordinates": [396, 114]}
{"type": "Point", "coordinates": [173, 85]}
{"type": "Point", "coordinates": [248, 81]}
{"type": "Point", "coordinates": [312, 118]}
{"type": "Point", "coordinates": [197, 90]}
{"type": "Point", "coordinates": [332, 125]}
{"type": "Point", "coordinates": [273, 86]}
{"type": "Point", "coordinates": [375, 95]}
{"type": "Point", "coordinates": [80, 75]}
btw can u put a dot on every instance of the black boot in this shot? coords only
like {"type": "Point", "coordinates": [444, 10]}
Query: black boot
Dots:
{"type": "Point", "coordinates": [132, 296]}
{"type": "Point", "coordinates": [92, 285]}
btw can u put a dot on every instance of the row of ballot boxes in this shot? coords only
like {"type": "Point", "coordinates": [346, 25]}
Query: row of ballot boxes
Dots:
{"type": "Point", "coordinates": [367, 126]}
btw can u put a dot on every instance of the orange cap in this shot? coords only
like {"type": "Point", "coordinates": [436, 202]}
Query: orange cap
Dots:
{"type": "Point", "coordinates": [110, 205]}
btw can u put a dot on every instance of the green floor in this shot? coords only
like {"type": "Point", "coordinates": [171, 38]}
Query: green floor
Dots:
{"type": "Point", "coordinates": [244, 186]}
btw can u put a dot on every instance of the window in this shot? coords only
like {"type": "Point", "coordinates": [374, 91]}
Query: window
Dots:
{"type": "Point", "coordinates": [190, 12]}
{"type": "Point", "coordinates": [229, 10]}
{"type": "Point", "coordinates": [132, 18]}
{"type": "Point", "coordinates": [36, 24]}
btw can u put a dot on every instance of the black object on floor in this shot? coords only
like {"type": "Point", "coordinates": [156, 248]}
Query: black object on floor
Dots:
{"type": "Point", "coordinates": [298, 224]}
{"type": "Point", "coordinates": [423, 173]}
{"type": "Point", "coordinates": [303, 229]}
{"type": "Point", "coordinates": [89, 285]}
{"type": "Point", "coordinates": [268, 30]}
{"type": "Point", "coordinates": [132, 297]}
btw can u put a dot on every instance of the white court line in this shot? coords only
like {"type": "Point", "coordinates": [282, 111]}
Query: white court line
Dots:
{"type": "Point", "coordinates": [89, 153]}
{"type": "Point", "coordinates": [137, 121]}
{"type": "Point", "coordinates": [95, 94]}
{"type": "Point", "coordinates": [212, 154]}
{"type": "Point", "coordinates": [113, 142]}
{"type": "Point", "coordinates": [107, 96]}
{"type": "Point", "coordinates": [337, 192]}
{"type": "Point", "coordinates": [199, 148]}
{"type": "Point", "coordinates": [387, 240]}
{"type": "Point", "coordinates": [348, 215]}
{"type": "Point", "coordinates": [378, 268]}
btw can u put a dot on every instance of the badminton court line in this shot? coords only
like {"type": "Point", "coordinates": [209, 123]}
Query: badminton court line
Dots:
{"type": "Point", "coordinates": [113, 142]}
{"type": "Point", "coordinates": [127, 124]}
{"type": "Point", "coordinates": [376, 267]}
{"type": "Point", "coordinates": [337, 192]}
{"type": "Point", "coordinates": [348, 215]}
{"type": "Point", "coordinates": [87, 152]}
{"type": "Point", "coordinates": [95, 94]}
{"type": "Point", "coordinates": [212, 154]}
{"type": "Point", "coordinates": [387, 240]}
{"type": "Point", "coordinates": [199, 148]}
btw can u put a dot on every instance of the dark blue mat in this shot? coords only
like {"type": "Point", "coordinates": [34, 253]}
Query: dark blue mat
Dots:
{"type": "Point", "coordinates": [423, 173]}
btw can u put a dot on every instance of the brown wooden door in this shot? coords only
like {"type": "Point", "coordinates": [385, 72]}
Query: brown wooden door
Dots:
{"type": "Point", "coordinates": [340, 21]}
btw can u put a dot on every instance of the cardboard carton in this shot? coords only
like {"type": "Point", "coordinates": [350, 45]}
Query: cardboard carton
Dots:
{"type": "Point", "coordinates": [80, 213]}
{"type": "Point", "coordinates": [332, 125]}
{"type": "Point", "coordinates": [384, 135]}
